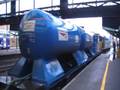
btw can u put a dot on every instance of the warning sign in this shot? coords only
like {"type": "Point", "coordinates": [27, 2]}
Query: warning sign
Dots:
{"type": "Point", "coordinates": [29, 25]}
{"type": "Point", "coordinates": [62, 35]}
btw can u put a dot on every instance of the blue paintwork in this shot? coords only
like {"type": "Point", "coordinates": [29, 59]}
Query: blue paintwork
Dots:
{"type": "Point", "coordinates": [1, 41]}
{"type": "Point", "coordinates": [43, 37]}
{"type": "Point", "coordinates": [4, 40]}
{"type": "Point", "coordinates": [95, 47]}
{"type": "Point", "coordinates": [86, 41]}
{"type": "Point", "coordinates": [22, 68]}
{"type": "Point", "coordinates": [44, 41]}
{"type": "Point", "coordinates": [7, 41]}
{"type": "Point", "coordinates": [80, 57]}
{"type": "Point", "coordinates": [47, 71]}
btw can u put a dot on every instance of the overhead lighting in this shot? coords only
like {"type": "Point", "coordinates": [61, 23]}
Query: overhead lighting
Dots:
{"type": "Point", "coordinates": [110, 29]}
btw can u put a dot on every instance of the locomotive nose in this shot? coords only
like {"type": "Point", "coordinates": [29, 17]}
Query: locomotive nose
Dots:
{"type": "Point", "coordinates": [41, 35]}
{"type": "Point", "coordinates": [32, 32]}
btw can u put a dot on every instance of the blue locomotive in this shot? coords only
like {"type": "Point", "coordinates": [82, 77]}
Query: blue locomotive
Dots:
{"type": "Point", "coordinates": [51, 47]}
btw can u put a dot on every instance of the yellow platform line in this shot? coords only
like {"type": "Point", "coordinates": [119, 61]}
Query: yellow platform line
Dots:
{"type": "Point", "coordinates": [105, 76]}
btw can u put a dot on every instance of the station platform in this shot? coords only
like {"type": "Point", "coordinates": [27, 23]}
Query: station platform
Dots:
{"type": "Point", "coordinates": [9, 51]}
{"type": "Point", "coordinates": [101, 74]}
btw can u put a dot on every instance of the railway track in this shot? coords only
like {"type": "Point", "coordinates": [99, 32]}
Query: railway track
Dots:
{"type": "Point", "coordinates": [7, 62]}
{"type": "Point", "coordinates": [58, 85]}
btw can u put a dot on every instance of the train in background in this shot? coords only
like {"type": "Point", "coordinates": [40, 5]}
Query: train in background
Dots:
{"type": "Point", "coordinates": [52, 48]}
{"type": "Point", "coordinates": [8, 40]}
{"type": "Point", "coordinates": [4, 40]}
{"type": "Point", "coordinates": [102, 43]}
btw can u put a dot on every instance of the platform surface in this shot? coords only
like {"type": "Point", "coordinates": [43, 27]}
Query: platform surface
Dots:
{"type": "Point", "coordinates": [93, 76]}
{"type": "Point", "coordinates": [113, 76]}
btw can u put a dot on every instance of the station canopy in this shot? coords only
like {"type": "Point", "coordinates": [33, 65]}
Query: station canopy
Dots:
{"type": "Point", "coordinates": [114, 32]}
{"type": "Point", "coordinates": [4, 1]}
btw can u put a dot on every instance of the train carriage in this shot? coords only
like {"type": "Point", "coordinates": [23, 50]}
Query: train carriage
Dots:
{"type": "Point", "coordinates": [4, 40]}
